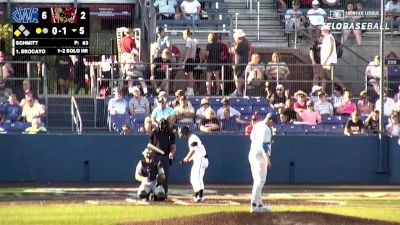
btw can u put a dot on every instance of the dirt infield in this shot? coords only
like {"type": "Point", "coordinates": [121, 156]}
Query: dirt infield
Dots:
{"type": "Point", "coordinates": [280, 218]}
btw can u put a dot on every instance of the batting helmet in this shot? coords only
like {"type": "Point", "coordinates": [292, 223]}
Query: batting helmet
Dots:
{"type": "Point", "coordinates": [184, 131]}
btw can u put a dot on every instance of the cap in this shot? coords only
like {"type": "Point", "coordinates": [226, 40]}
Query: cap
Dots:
{"type": "Point", "coordinates": [225, 101]}
{"type": "Point", "coordinates": [204, 101]}
{"type": "Point", "coordinates": [146, 151]}
{"type": "Point", "coordinates": [184, 131]}
{"type": "Point", "coordinates": [295, 2]}
{"type": "Point", "coordinates": [162, 99]}
{"type": "Point", "coordinates": [239, 33]}
{"type": "Point", "coordinates": [315, 88]}
{"type": "Point", "coordinates": [254, 117]}
{"type": "Point", "coordinates": [162, 94]}
{"type": "Point", "coordinates": [268, 116]}
{"type": "Point", "coordinates": [300, 92]}
{"type": "Point", "coordinates": [179, 92]}
{"type": "Point", "coordinates": [315, 2]}
{"type": "Point", "coordinates": [159, 29]}
{"type": "Point", "coordinates": [325, 27]}
{"type": "Point", "coordinates": [363, 93]}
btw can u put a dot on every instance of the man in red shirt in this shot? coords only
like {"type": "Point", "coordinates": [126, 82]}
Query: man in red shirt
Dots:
{"type": "Point", "coordinates": [249, 128]}
{"type": "Point", "coordinates": [127, 45]}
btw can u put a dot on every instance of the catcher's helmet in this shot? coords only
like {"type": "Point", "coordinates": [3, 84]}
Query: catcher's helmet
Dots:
{"type": "Point", "coordinates": [184, 131]}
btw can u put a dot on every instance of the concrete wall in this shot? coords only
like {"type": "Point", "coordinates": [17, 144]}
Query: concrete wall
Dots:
{"type": "Point", "coordinates": [111, 158]}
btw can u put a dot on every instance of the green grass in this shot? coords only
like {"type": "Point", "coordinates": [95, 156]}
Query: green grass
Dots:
{"type": "Point", "coordinates": [114, 214]}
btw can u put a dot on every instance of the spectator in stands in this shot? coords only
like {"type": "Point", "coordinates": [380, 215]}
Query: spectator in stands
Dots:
{"type": "Point", "coordinates": [190, 10]}
{"type": "Point", "coordinates": [201, 112]}
{"type": "Point", "coordinates": [6, 70]}
{"type": "Point", "coordinates": [26, 86]}
{"type": "Point", "coordinates": [276, 69]}
{"type": "Point", "coordinates": [36, 127]}
{"type": "Point", "coordinates": [12, 111]}
{"type": "Point", "coordinates": [255, 76]}
{"type": "Point", "coordinates": [364, 106]}
{"type": "Point", "coordinates": [354, 126]}
{"type": "Point", "coordinates": [214, 54]}
{"type": "Point", "coordinates": [64, 70]}
{"type": "Point", "coordinates": [127, 46]}
{"type": "Point", "coordinates": [316, 17]}
{"type": "Point", "coordinates": [393, 128]}
{"type": "Point", "coordinates": [278, 97]}
{"type": "Point", "coordinates": [107, 71]}
{"type": "Point", "coordinates": [389, 106]}
{"type": "Point", "coordinates": [300, 104]}
{"type": "Point", "coordinates": [5, 92]}
{"type": "Point", "coordinates": [332, 4]}
{"type": "Point", "coordinates": [209, 123]}
{"type": "Point", "coordinates": [241, 50]}
{"type": "Point", "coordinates": [322, 106]}
{"type": "Point", "coordinates": [184, 112]}
{"type": "Point", "coordinates": [396, 97]}
{"type": "Point", "coordinates": [162, 111]}
{"type": "Point", "coordinates": [283, 5]}
{"type": "Point", "coordinates": [315, 56]}
{"type": "Point", "coordinates": [168, 9]}
{"type": "Point", "coordinates": [225, 104]}
{"type": "Point", "coordinates": [148, 126]}
{"type": "Point", "coordinates": [249, 128]}
{"type": "Point", "coordinates": [337, 97]}
{"type": "Point", "coordinates": [294, 18]}
{"type": "Point", "coordinates": [138, 104]}
{"type": "Point", "coordinates": [125, 130]}
{"type": "Point", "coordinates": [135, 70]}
{"type": "Point", "coordinates": [32, 109]}
{"type": "Point", "coordinates": [189, 60]}
{"type": "Point", "coordinates": [162, 43]}
{"type": "Point", "coordinates": [346, 107]}
{"type": "Point", "coordinates": [80, 75]}
{"type": "Point", "coordinates": [309, 116]}
{"type": "Point", "coordinates": [288, 115]}
{"type": "Point", "coordinates": [373, 73]}
{"type": "Point", "coordinates": [392, 10]}
{"type": "Point", "coordinates": [372, 122]}
{"type": "Point", "coordinates": [314, 93]}
{"type": "Point", "coordinates": [159, 70]}
{"type": "Point", "coordinates": [352, 16]}
{"type": "Point", "coordinates": [118, 104]}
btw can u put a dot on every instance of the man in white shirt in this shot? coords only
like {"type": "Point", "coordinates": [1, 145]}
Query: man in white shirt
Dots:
{"type": "Point", "coordinates": [225, 104]}
{"type": "Point", "coordinates": [118, 105]}
{"type": "Point", "coordinates": [191, 9]}
{"type": "Point", "coordinates": [294, 17]}
{"type": "Point", "coordinates": [138, 104]}
{"type": "Point", "coordinates": [389, 106]}
{"type": "Point", "coordinates": [168, 9]}
{"type": "Point", "coordinates": [316, 16]}
{"type": "Point", "coordinates": [392, 10]}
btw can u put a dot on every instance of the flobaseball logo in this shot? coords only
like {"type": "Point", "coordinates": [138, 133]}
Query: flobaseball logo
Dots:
{"type": "Point", "coordinates": [25, 15]}
{"type": "Point", "coordinates": [337, 14]}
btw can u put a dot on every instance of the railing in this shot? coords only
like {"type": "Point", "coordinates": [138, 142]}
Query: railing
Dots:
{"type": "Point", "coordinates": [76, 117]}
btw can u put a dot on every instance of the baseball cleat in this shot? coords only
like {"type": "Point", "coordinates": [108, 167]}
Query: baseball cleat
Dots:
{"type": "Point", "coordinates": [264, 208]}
{"type": "Point", "coordinates": [254, 209]}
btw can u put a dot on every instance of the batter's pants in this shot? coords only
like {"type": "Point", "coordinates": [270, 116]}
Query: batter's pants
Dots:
{"type": "Point", "coordinates": [197, 173]}
{"type": "Point", "coordinates": [259, 172]}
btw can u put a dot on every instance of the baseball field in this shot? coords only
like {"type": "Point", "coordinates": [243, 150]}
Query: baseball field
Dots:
{"type": "Point", "coordinates": [101, 204]}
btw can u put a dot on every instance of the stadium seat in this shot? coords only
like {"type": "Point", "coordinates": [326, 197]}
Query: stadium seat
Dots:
{"type": "Point", "coordinates": [334, 128]}
{"type": "Point", "coordinates": [214, 102]}
{"type": "Point", "coordinates": [244, 109]}
{"type": "Point", "coordinates": [238, 102]}
{"type": "Point", "coordinates": [16, 127]}
{"type": "Point", "coordinates": [135, 127]}
{"type": "Point", "coordinates": [117, 121]}
{"type": "Point", "coordinates": [230, 125]}
{"type": "Point", "coordinates": [262, 110]}
{"type": "Point", "coordinates": [195, 102]}
{"type": "Point", "coordinates": [292, 129]}
{"type": "Point", "coordinates": [326, 119]}
{"type": "Point", "coordinates": [314, 129]}
{"type": "Point", "coordinates": [258, 102]}
{"type": "Point", "coordinates": [139, 118]}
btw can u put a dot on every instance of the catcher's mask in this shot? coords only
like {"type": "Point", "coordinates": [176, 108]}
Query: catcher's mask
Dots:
{"type": "Point", "coordinates": [147, 153]}
{"type": "Point", "coordinates": [184, 131]}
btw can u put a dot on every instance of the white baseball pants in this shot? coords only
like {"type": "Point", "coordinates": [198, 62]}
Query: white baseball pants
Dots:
{"type": "Point", "coordinates": [197, 173]}
{"type": "Point", "coordinates": [259, 172]}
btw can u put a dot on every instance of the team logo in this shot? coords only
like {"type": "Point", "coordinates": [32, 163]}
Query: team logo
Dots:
{"type": "Point", "coordinates": [25, 15]}
{"type": "Point", "coordinates": [337, 14]}
{"type": "Point", "coordinates": [63, 15]}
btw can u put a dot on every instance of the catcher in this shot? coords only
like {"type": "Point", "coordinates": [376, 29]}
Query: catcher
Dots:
{"type": "Point", "coordinates": [150, 173]}
{"type": "Point", "coordinates": [197, 153]}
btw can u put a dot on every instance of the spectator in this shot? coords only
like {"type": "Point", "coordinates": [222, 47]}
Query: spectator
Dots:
{"type": "Point", "coordinates": [5, 92]}
{"type": "Point", "coordinates": [316, 17]}
{"type": "Point", "coordinates": [225, 104]}
{"type": "Point", "coordinates": [162, 43]}
{"type": "Point", "coordinates": [249, 128]}
{"type": "Point", "coordinates": [332, 4]}
{"type": "Point", "coordinates": [190, 10]}
{"type": "Point", "coordinates": [164, 95]}
{"type": "Point", "coordinates": [12, 110]}
{"type": "Point", "coordinates": [175, 53]}
{"type": "Point", "coordinates": [209, 123]}
{"type": "Point", "coordinates": [189, 61]}
{"type": "Point", "coordinates": [309, 116]}
{"type": "Point", "coordinates": [300, 104]}
{"type": "Point", "coordinates": [214, 55]}
{"type": "Point", "coordinates": [255, 76]}
{"type": "Point", "coordinates": [32, 109]}
{"type": "Point", "coordinates": [64, 70]}
{"type": "Point", "coordinates": [315, 56]}
{"type": "Point", "coordinates": [278, 97]}
{"type": "Point", "coordinates": [396, 97]}
{"type": "Point", "coordinates": [159, 70]}
{"type": "Point", "coordinates": [322, 106]}
{"type": "Point", "coordinates": [36, 127]}
{"type": "Point", "coordinates": [337, 97]}
{"type": "Point", "coordinates": [283, 5]}
{"type": "Point", "coordinates": [162, 111]}
{"type": "Point", "coordinates": [314, 93]}
{"type": "Point", "coordinates": [28, 95]}
{"type": "Point", "coordinates": [392, 12]}
{"type": "Point", "coordinates": [6, 70]}
{"type": "Point", "coordinates": [364, 106]}
{"type": "Point", "coordinates": [288, 112]}
{"type": "Point", "coordinates": [389, 106]}
{"type": "Point", "coordinates": [372, 122]}
{"type": "Point", "coordinates": [276, 69]}
{"type": "Point", "coordinates": [241, 50]}
{"type": "Point", "coordinates": [125, 130]}
{"type": "Point", "coordinates": [138, 104]}
{"type": "Point", "coordinates": [118, 104]}
{"type": "Point", "coordinates": [393, 128]}
{"type": "Point", "coordinates": [80, 75]}
{"type": "Point", "coordinates": [127, 46]}
{"type": "Point", "coordinates": [107, 71]}
{"type": "Point", "coordinates": [168, 9]}
{"type": "Point", "coordinates": [148, 126]}
{"type": "Point", "coordinates": [352, 16]}
{"type": "Point", "coordinates": [135, 70]}
{"type": "Point", "coordinates": [184, 113]}
{"type": "Point", "coordinates": [201, 112]}
{"type": "Point", "coordinates": [346, 107]}
{"type": "Point", "coordinates": [294, 18]}
{"type": "Point", "coordinates": [373, 73]}
{"type": "Point", "coordinates": [26, 86]}
{"type": "Point", "coordinates": [354, 126]}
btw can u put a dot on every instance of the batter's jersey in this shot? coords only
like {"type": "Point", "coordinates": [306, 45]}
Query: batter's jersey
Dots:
{"type": "Point", "coordinates": [260, 134]}
{"type": "Point", "coordinates": [195, 144]}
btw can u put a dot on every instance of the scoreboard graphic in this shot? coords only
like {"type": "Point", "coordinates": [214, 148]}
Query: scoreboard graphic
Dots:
{"type": "Point", "coordinates": [51, 31]}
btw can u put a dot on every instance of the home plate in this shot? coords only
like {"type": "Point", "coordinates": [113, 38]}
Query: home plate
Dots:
{"type": "Point", "coordinates": [179, 202]}
{"type": "Point", "coordinates": [136, 201]}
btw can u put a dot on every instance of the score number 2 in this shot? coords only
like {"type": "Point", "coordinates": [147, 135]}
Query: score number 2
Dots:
{"type": "Point", "coordinates": [83, 15]}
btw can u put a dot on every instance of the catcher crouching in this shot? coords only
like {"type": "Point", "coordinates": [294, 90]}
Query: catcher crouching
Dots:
{"type": "Point", "coordinates": [150, 173]}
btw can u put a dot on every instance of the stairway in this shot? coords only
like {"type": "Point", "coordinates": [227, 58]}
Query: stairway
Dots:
{"type": "Point", "coordinates": [271, 29]}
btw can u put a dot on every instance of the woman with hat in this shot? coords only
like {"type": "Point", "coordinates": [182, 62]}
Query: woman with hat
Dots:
{"type": "Point", "coordinates": [364, 106]}
{"type": "Point", "coordinates": [300, 104]}
{"type": "Point", "coordinates": [201, 112]}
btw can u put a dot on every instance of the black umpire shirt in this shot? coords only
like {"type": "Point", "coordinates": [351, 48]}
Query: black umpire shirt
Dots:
{"type": "Point", "coordinates": [162, 139]}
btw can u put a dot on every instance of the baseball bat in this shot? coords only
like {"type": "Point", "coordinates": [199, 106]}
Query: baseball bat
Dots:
{"type": "Point", "coordinates": [154, 148]}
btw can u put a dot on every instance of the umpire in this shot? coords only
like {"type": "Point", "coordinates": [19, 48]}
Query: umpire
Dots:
{"type": "Point", "coordinates": [164, 138]}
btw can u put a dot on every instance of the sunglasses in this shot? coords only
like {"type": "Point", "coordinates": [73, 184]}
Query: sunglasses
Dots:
{"type": "Point", "coordinates": [279, 89]}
